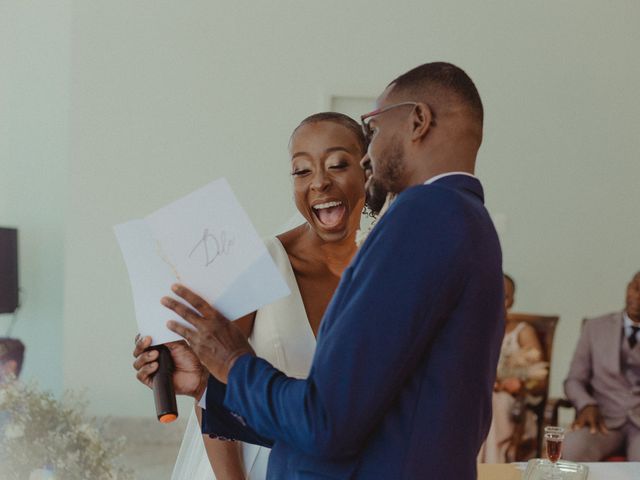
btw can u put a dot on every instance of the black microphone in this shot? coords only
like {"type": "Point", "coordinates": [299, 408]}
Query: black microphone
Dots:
{"type": "Point", "coordinates": [163, 391]}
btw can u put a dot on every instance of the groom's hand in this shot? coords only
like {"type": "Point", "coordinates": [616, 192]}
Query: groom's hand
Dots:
{"type": "Point", "coordinates": [216, 341]}
{"type": "Point", "coordinates": [189, 377]}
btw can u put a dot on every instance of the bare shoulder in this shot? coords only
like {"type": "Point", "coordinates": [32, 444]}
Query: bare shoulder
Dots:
{"type": "Point", "coordinates": [291, 240]}
{"type": "Point", "coordinates": [303, 255]}
{"type": "Point", "coordinates": [527, 329]}
{"type": "Point", "coordinates": [528, 337]}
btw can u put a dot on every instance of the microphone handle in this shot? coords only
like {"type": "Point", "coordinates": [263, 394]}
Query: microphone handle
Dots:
{"type": "Point", "coordinates": [163, 391]}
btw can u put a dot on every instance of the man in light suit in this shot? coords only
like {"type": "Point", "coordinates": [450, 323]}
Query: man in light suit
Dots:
{"type": "Point", "coordinates": [604, 385]}
{"type": "Point", "coordinates": [401, 381]}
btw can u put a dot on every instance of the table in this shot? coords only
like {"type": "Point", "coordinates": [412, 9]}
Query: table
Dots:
{"type": "Point", "coordinates": [597, 471]}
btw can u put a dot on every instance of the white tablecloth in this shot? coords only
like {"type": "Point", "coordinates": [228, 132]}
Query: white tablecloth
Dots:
{"type": "Point", "coordinates": [608, 470]}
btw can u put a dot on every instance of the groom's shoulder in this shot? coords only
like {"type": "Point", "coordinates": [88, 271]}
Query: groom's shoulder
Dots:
{"type": "Point", "coordinates": [422, 211]}
{"type": "Point", "coordinates": [438, 198]}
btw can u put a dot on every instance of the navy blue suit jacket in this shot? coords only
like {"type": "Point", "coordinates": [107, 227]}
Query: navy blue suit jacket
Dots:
{"type": "Point", "coordinates": [401, 381]}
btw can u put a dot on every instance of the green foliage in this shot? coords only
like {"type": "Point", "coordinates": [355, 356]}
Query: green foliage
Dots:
{"type": "Point", "coordinates": [37, 430]}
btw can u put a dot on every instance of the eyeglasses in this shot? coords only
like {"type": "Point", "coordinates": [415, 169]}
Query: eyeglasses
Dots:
{"type": "Point", "coordinates": [366, 118]}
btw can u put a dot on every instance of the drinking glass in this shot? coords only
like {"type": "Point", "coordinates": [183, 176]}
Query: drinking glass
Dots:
{"type": "Point", "coordinates": [554, 437]}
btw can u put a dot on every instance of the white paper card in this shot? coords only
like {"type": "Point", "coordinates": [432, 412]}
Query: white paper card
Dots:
{"type": "Point", "coordinates": [205, 241]}
{"type": "Point", "coordinates": [150, 279]}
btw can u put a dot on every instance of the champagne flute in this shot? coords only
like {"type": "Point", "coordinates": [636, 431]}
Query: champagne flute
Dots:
{"type": "Point", "coordinates": [554, 437]}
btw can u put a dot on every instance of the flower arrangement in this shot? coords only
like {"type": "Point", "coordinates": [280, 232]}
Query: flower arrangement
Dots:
{"type": "Point", "coordinates": [525, 365]}
{"type": "Point", "coordinates": [361, 235]}
{"type": "Point", "coordinates": [45, 438]}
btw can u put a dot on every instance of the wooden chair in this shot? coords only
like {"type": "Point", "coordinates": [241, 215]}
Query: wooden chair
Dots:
{"type": "Point", "coordinates": [545, 327]}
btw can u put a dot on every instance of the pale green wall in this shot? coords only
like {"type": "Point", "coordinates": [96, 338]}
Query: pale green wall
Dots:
{"type": "Point", "coordinates": [166, 96]}
{"type": "Point", "coordinates": [34, 105]}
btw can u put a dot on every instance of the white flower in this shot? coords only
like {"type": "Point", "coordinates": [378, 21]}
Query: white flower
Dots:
{"type": "Point", "coordinates": [361, 235]}
{"type": "Point", "coordinates": [90, 432]}
{"type": "Point", "coordinates": [538, 371]}
{"type": "Point", "coordinates": [14, 430]}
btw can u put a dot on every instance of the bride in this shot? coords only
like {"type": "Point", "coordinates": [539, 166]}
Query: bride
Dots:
{"type": "Point", "coordinates": [329, 191]}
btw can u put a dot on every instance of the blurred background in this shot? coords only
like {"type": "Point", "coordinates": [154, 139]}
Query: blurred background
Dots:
{"type": "Point", "coordinates": [109, 110]}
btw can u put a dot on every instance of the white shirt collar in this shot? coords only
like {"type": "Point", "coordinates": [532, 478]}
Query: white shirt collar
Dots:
{"type": "Point", "coordinates": [628, 323]}
{"type": "Point", "coordinates": [447, 174]}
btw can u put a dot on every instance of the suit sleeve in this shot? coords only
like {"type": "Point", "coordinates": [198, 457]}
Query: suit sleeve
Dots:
{"type": "Point", "coordinates": [220, 423]}
{"type": "Point", "coordinates": [580, 372]}
{"type": "Point", "coordinates": [388, 308]}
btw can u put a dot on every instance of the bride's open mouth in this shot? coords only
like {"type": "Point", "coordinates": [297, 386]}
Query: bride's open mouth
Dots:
{"type": "Point", "coordinates": [330, 214]}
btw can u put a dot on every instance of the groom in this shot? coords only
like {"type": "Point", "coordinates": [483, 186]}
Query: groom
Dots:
{"type": "Point", "coordinates": [401, 381]}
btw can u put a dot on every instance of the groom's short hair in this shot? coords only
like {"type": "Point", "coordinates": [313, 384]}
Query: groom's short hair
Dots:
{"type": "Point", "coordinates": [439, 80]}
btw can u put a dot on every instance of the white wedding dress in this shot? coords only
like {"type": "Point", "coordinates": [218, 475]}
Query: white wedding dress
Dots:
{"type": "Point", "coordinates": [281, 335]}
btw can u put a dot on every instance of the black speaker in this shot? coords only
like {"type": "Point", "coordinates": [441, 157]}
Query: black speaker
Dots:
{"type": "Point", "coordinates": [8, 270]}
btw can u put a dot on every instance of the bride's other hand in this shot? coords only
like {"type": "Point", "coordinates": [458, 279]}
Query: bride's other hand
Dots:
{"type": "Point", "coordinates": [190, 376]}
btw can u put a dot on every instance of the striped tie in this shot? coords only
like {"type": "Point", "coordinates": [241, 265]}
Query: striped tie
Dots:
{"type": "Point", "coordinates": [633, 339]}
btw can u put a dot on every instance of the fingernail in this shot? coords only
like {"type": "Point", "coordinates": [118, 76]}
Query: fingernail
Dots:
{"type": "Point", "coordinates": [175, 287]}
{"type": "Point", "coordinates": [164, 301]}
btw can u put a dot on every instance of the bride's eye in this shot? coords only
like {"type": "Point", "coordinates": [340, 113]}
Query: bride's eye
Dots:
{"type": "Point", "coordinates": [340, 165]}
{"type": "Point", "coordinates": [299, 173]}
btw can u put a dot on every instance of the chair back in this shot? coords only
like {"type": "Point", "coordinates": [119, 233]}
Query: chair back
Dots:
{"type": "Point", "coordinates": [545, 327]}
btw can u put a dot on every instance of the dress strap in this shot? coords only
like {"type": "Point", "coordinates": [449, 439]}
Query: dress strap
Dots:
{"type": "Point", "coordinates": [510, 342]}
{"type": "Point", "coordinates": [516, 331]}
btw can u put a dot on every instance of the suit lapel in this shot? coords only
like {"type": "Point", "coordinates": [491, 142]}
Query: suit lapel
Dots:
{"type": "Point", "coordinates": [612, 337]}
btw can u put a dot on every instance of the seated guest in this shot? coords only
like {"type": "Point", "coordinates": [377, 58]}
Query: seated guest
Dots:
{"type": "Point", "coordinates": [604, 385]}
{"type": "Point", "coordinates": [11, 358]}
{"type": "Point", "coordinates": [520, 372]}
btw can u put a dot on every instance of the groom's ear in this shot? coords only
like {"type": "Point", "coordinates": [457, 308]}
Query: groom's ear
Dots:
{"type": "Point", "coordinates": [422, 120]}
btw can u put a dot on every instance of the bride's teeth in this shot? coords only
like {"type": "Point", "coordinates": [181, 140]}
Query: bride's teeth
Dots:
{"type": "Point", "coordinates": [327, 205]}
